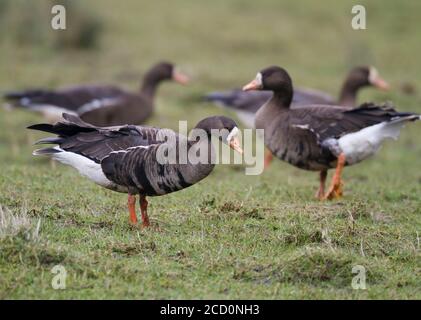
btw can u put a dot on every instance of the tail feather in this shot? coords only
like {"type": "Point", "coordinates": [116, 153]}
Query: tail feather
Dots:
{"type": "Point", "coordinates": [382, 113]}
{"type": "Point", "coordinates": [46, 127]}
{"type": "Point", "coordinates": [392, 128]}
{"type": "Point", "coordinates": [405, 116]}
{"type": "Point", "coordinates": [362, 144]}
{"type": "Point", "coordinates": [73, 125]}
{"type": "Point", "coordinates": [17, 95]}
{"type": "Point", "coordinates": [50, 140]}
{"type": "Point", "coordinates": [46, 151]}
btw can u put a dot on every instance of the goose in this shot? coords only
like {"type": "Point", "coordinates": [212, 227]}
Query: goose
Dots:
{"type": "Point", "coordinates": [101, 105]}
{"type": "Point", "coordinates": [320, 137]}
{"type": "Point", "coordinates": [131, 159]}
{"type": "Point", "coordinates": [246, 104]}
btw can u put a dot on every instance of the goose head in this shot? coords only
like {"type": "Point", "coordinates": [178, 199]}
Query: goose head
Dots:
{"type": "Point", "coordinates": [225, 128]}
{"type": "Point", "coordinates": [274, 79]}
{"type": "Point", "coordinates": [166, 71]}
{"type": "Point", "coordinates": [363, 76]}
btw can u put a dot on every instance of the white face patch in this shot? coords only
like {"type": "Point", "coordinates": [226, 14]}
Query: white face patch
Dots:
{"type": "Point", "coordinates": [373, 75]}
{"type": "Point", "coordinates": [232, 134]}
{"type": "Point", "coordinates": [259, 79]}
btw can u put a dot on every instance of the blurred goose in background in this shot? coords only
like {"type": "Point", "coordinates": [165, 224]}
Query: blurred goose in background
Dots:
{"type": "Point", "coordinates": [101, 105]}
{"type": "Point", "coordinates": [125, 158]}
{"type": "Point", "coordinates": [246, 104]}
{"type": "Point", "coordinates": [320, 137]}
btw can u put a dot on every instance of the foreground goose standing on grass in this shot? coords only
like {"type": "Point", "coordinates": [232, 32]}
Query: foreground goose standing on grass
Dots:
{"type": "Point", "coordinates": [320, 137]}
{"type": "Point", "coordinates": [247, 103]}
{"type": "Point", "coordinates": [125, 158]}
{"type": "Point", "coordinates": [104, 105]}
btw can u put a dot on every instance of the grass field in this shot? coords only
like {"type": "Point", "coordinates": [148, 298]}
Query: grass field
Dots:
{"type": "Point", "coordinates": [231, 236]}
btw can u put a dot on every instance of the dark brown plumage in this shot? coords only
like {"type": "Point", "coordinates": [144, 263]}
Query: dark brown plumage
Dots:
{"type": "Point", "coordinates": [105, 105]}
{"type": "Point", "coordinates": [128, 158]}
{"type": "Point", "coordinates": [318, 137]}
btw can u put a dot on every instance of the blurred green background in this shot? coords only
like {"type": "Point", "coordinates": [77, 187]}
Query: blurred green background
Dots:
{"type": "Point", "coordinates": [230, 236]}
{"type": "Point", "coordinates": [222, 44]}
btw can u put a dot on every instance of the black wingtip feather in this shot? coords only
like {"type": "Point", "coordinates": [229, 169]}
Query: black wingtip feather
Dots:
{"type": "Point", "coordinates": [42, 127]}
{"type": "Point", "coordinates": [16, 95]}
{"type": "Point", "coordinates": [13, 95]}
{"type": "Point", "coordinates": [383, 112]}
{"type": "Point", "coordinates": [73, 125]}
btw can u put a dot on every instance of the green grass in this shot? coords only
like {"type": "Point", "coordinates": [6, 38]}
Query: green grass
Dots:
{"type": "Point", "coordinates": [231, 235]}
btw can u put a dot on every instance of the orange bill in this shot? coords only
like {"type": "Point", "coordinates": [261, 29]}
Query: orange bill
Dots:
{"type": "Point", "coordinates": [380, 83]}
{"type": "Point", "coordinates": [235, 145]}
{"type": "Point", "coordinates": [253, 85]}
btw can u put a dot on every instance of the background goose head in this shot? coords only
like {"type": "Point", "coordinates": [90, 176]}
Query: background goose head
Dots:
{"type": "Point", "coordinates": [366, 76]}
{"type": "Point", "coordinates": [160, 72]}
{"type": "Point", "coordinates": [274, 79]}
{"type": "Point", "coordinates": [227, 130]}
{"type": "Point", "coordinates": [359, 77]}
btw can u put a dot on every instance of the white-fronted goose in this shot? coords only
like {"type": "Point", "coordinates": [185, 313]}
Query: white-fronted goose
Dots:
{"type": "Point", "coordinates": [125, 158]}
{"type": "Point", "coordinates": [320, 137]}
{"type": "Point", "coordinates": [105, 105]}
{"type": "Point", "coordinates": [246, 104]}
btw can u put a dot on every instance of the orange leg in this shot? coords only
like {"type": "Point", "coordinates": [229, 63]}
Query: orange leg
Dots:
{"type": "Point", "coordinates": [335, 190]}
{"type": "Point", "coordinates": [321, 192]}
{"type": "Point", "coordinates": [268, 158]}
{"type": "Point", "coordinates": [144, 209]}
{"type": "Point", "coordinates": [132, 210]}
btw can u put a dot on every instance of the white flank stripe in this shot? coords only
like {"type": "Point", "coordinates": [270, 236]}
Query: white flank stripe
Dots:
{"type": "Point", "coordinates": [97, 104]}
{"type": "Point", "coordinates": [86, 167]}
{"type": "Point", "coordinates": [131, 148]}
